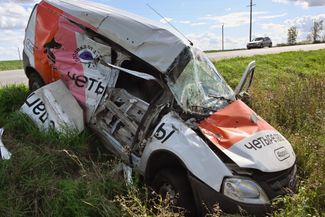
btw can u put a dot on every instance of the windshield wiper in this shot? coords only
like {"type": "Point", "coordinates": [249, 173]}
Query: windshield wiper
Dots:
{"type": "Point", "coordinates": [204, 109]}
{"type": "Point", "coordinates": [220, 98]}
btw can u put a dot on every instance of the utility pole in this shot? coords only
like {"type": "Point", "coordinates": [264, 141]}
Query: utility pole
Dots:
{"type": "Point", "coordinates": [19, 54]}
{"type": "Point", "coordinates": [251, 19]}
{"type": "Point", "coordinates": [223, 37]}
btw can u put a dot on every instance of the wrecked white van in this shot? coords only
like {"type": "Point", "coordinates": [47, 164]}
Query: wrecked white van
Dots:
{"type": "Point", "coordinates": [159, 104]}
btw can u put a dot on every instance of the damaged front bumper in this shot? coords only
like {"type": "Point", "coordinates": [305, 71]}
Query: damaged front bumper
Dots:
{"type": "Point", "coordinates": [273, 184]}
{"type": "Point", "coordinates": [208, 200]}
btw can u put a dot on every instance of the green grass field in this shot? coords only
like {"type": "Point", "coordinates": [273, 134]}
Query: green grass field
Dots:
{"type": "Point", "coordinates": [71, 175]}
{"type": "Point", "coordinates": [10, 65]}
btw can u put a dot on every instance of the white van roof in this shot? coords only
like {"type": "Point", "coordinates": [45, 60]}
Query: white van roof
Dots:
{"type": "Point", "coordinates": [143, 38]}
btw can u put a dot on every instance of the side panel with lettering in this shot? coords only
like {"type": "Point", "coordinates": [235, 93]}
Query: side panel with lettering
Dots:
{"type": "Point", "coordinates": [78, 62]}
{"type": "Point", "coordinates": [266, 150]}
{"type": "Point", "coordinates": [174, 136]}
{"type": "Point", "coordinates": [162, 134]}
{"type": "Point", "coordinates": [53, 106]}
{"type": "Point", "coordinates": [34, 107]}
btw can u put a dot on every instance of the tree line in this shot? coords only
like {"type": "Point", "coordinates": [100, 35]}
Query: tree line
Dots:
{"type": "Point", "coordinates": [314, 36]}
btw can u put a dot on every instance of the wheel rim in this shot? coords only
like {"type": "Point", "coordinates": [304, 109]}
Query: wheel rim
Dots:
{"type": "Point", "coordinates": [168, 192]}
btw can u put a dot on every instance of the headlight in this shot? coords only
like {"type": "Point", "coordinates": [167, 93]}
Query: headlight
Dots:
{"type": "Point", "coordinates": [244, 190]}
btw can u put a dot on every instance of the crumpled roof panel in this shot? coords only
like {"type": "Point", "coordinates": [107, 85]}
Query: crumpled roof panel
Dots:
{"type": "Point", "coordinates": [143, 38]}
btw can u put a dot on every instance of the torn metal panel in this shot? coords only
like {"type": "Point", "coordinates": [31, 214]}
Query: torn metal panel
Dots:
{"type": "Point", "coordinates": [77, 61]}
{"type": "Point", "coordinates": [117, 119]}
{"type": "Point", "coordinates": [5, 154]}
{"type": "Point", "coordinates": [142, 75]}
{"type": "Point", "coordinates": [53, 106]}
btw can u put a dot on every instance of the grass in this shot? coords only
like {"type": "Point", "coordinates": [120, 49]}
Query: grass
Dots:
{"type": "Point", "coordinates": [10, 65]}
{"type": "Point", "coordinates": [51, 174]}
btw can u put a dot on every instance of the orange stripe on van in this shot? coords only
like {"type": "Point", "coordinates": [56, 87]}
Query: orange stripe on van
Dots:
{"type": "Point", "coordinates": [232, 124]}
{"type": "Point", "coordinates": [46, 28]}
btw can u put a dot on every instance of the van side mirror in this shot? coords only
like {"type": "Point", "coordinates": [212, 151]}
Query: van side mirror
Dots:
{"type": "Point", "coordinates": [246, 79]}
{"type": "Point", "coordinates": [245, 83]}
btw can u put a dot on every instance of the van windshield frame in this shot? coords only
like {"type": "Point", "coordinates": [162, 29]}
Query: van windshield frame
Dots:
{"type": "Point", "coordinates": [199, 88]}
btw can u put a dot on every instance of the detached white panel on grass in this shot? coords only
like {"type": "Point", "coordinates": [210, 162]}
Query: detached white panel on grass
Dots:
{"type": "Point", "coordinates": [5, 154]}
{"type": "Point", "coordinates": [53, 106]}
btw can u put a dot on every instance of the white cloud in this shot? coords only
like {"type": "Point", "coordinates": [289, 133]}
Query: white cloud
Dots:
{"type": "Point", "coordinates": [269, 17]}
{"type": "Point", "coordinates": [198, 24]}
{"type": "Point", "coordinates": [236, 42]}
{"type": "Point", "coordinates": [13, 15]}
{"type": "Point", "coordinates": [205, 41]}
{"type": "Point", "coordinates": [192, 23]}
{"type": "Point", "coordinates": [185, 22]}
{"type": "Point", "coordinates": [304, 24]}
{"type": "Point", "coordinates": [10, 41]}
{"type": "Point", "coordinates": [278, 32]}
{"type": "Point", "coordinates": [212, 41]}
{"type": "Point", "coordinates": [303, 3]}
{"type": "Point", "coordinates": [166, 20]}
{"type": "Point", "coordinates": [281, 1]}
{"type": "Point", "coordinates": [311, 3]}
{"type": "Point", "coordinates": [231, 20]}
{"type": "Point", "coordinates": [240, 18]}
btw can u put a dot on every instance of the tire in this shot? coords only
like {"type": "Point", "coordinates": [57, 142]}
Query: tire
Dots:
{"type": "Point", "coordinates": [35, 82]}
{"type": "Point", "coordinates": [175, 182]}
{"type": "Point", "coordinates": [270, 45]}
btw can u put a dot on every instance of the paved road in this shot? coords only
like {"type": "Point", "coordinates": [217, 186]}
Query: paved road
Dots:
{"type": "Point", "coordinates": [12, 77]}
{"type": "Point", "coordinates": [263, 51]}
{"type": "Point", "coordinates": [18, 76]}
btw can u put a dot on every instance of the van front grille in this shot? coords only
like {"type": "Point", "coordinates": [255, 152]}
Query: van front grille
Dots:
{"type": "Point", "coordinates": [277, 183]}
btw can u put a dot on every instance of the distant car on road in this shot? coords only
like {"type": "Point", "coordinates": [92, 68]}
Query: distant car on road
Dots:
{"type": "Point", "coordinates": [259, 42]}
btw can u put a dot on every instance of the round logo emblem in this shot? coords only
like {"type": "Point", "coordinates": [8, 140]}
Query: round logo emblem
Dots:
{"type": "Point", "coordinates": [86, 56]}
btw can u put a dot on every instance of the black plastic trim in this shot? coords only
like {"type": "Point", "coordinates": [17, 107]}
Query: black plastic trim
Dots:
{"type": "Point", "coordinates": [206, 198]}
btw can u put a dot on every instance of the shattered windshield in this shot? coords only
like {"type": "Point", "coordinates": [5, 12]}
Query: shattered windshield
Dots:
{"type": "Point", "coordinates": [200, 88]}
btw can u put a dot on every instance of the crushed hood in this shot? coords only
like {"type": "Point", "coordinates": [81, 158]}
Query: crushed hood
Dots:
{"type": "Point", "coordinates": [248, 139]}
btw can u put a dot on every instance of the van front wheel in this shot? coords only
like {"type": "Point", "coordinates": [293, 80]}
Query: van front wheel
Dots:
{"type": "Point", "coordinates": [173, 184]}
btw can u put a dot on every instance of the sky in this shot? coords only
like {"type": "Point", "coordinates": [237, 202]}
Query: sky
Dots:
{"type": "Point", "coordinates": [200, 21]}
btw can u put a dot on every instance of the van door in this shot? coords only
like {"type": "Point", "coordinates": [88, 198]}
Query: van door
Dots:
{"type": "Point", "coordinates": [121, 111]}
